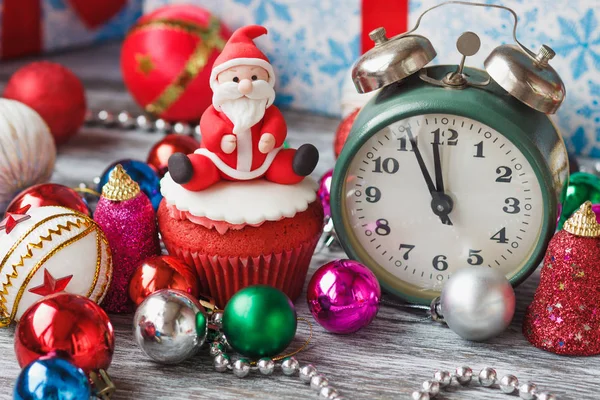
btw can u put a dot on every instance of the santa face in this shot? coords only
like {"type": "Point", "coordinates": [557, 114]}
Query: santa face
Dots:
{"type": "Point", "coordinates": [243, 93]}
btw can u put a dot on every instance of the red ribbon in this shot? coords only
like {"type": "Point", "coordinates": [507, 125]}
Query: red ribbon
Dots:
{"type": "Point", "coordinates": [22, 22]}
{"type": "Point", "coordinates": [392, 15]}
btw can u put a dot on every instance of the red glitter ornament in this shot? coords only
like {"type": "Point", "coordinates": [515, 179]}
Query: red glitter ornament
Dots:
{"type": "Point", "coordinates": [167, 58]}
{"type": "Point", "coordinates": [127, 218]}
{"type": "Point", "coordinates": [67, 324]}
{"type": "Point", "coordinates": [158, 156]}
{"type": "Point", "coordinates": [342, 132]}
{"type": "Point", "coordinates": [49, 194]}
{"type": "Point", "coordinates": [162, 272]}
{"type": "Point", "coordinates": [565, 313]}
{"type": "Point", "coordinates": [54, 92]}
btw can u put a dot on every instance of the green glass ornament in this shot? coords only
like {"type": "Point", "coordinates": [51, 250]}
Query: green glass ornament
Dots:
{"type": "Point", "coordinates": [259, 321]}
{"type": "Point", "coordinates": [582, 187]}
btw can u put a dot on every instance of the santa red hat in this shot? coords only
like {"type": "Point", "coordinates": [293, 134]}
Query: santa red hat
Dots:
{"type": "Point", "coordinates": [241, 50]}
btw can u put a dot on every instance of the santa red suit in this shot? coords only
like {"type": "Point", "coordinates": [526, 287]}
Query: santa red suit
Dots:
{"type": "Point", "coordinates": [210, 162]}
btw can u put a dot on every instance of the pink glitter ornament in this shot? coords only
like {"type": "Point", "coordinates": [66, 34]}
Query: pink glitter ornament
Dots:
{"type": "Point", "coordinates": [324, 192]}
{"type": "Point", "coordinates": [343, 296]}
{"type": "Point", "coordinates": [127, 218]}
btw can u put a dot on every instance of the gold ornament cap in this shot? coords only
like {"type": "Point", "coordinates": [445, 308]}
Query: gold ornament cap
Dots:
{"type": "Point", "coordinates": [120, 186]}
{"type": "Point", "coordinates": [583, 222]}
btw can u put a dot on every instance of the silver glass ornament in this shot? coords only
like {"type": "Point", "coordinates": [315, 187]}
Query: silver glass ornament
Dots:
{"type": "Point", "coordinates": [527, 391]}
{"type": "Point", "coordinates": [420, 395]}
{"type": "Point", "coordinates": [431, 387]}
{"type": "Point", "coordinates": [221, 362]}
{"type": "Point", "coordinates": [215, 349]}
{"type": "Point", "coordinates": [217, 319]}
{"type": "Point", "coordinates": [477, 303]}
{"type": "Point", "coordinates": [143, 122]}
{"type": "Point", "coordinates": [164, 326]}
{"type": "Point", "coordinates": [464, 375]}
{"type": "Point", "coordinates": [546, 396]}
{"type": "Point", "coordinates": [318, 381]}
{"type": "Point", "coordinates": [307, 372]}
{"type": "Point", "coordinates": [162, 126]}
{"type": "Point", "coordinates": [328, 392]}
{"type": "Point", "coordinates": [290, 366]}
{"type": "Point", "coordinates": [508, 384]}
{"type": "Point", "coordinates": [266, 366]}
{"type": "Point", "coordinates": [106, 117]}
{"type": "Point", "coordinates": [241, 368]}
{"type": "Point", "coordinates": [487, 377]}
{"type": "Point", "coordinates": [443, 377]}
{"type": "Point", "coordinates": [125, 120]}
{"type": "Point", "coordinates": [182, 128]}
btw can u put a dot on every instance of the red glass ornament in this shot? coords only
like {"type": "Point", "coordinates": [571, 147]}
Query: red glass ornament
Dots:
{"type": "Point", "coordinates": [166, 60]}
{"type": "Point", "coordinates": [342, 132]}
{"type": "Point", "coordinates": [68, 324]}
{"type": "Point", "coordinates": [158, 156]}
{"type": "Point", "coordinates": [49, 194]}
{"type": "Point", "coordinates": [54, 92]}
{"type": "Point", "coordinates": [162, 272]}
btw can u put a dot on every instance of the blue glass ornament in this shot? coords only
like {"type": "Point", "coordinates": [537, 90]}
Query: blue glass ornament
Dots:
{"type": "Point", "coordinates": [52, 378]}
{"type": "Point", "coordinates": [140, 172]}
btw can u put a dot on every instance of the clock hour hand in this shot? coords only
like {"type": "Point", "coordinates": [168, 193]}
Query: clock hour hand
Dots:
{"type": "Point", "coordinates": [440, 204]}
{"type": "Point", "coordinates": [443, 203]}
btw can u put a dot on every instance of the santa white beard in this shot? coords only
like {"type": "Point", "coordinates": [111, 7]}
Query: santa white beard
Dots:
{"type": "Point", "coordinates": [243, 111]}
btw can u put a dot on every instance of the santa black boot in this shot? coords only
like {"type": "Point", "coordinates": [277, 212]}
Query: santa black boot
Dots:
{"type": "Point", "coordinates": [180, 168]}
{"type": "Point", "coordinates": [305, 160]}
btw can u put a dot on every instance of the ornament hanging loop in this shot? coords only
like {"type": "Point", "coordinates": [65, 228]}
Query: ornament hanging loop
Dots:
{"type": "Point", "coordinates": [103, 386]}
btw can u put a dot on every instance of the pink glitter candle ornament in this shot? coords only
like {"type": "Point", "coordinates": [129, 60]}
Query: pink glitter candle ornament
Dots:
{"type": "Point", "coordinates": [127, 218]}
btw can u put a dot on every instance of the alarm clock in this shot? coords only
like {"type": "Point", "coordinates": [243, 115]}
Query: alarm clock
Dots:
{"type": "Point", "coordinates": [450, 167]}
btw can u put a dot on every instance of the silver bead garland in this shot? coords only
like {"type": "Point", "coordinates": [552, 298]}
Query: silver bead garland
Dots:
{"type": "Point", "coordinates": [289, 366]}
{"type": "Point", "coordinates": [487, 377]}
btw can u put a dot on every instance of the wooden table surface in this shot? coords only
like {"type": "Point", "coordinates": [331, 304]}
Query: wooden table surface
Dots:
{"type": "Point", "coordinates": [387, 360]}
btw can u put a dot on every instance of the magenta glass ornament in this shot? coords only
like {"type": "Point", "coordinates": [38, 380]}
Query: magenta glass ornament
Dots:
{"type": "Point", "coordinates": [324, 191]}
{"type": "Point", "coordinates": [596, 209]}
{"type": "Point", "coordinates": [343, 296]}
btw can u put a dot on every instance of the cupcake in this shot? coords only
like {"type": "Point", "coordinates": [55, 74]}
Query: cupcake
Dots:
{"type": "Point", "coordinates": [238, 234]}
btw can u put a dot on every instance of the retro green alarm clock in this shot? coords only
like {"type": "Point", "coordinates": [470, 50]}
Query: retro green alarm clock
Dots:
{"type": "Point", "coordinates": [449, 167]}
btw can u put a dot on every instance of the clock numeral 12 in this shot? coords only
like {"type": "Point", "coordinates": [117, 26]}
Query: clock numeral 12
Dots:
{"type": "Point", "coordinates": [389, 165]}
{"type": "Point", "coordinates": [439, 262]}
{"type": "Point", "coordinates": [452, 140]}
{"type": "Point", "coordinates": [474, 257]}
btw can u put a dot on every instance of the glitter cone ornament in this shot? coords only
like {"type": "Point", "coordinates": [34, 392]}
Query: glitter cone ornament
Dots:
{"type": "Point", "coordinates": [46, 250]}
{"type": "Point", "coordinates": [167, 57]}
{"type": "Point", "coordinates": [564, 317]}
{"type": "Point", "coordinates": [126, 215]}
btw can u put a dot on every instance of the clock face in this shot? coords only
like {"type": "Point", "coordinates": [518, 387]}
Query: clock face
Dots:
{"type": "Point", "coordinates": [488, 213]}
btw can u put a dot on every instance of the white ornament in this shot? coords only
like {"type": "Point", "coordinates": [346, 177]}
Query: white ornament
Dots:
{"type": "Point", "coordinates": [245, 202]}
{"type": "Point", "coordinates": [55, 249]}
{"type": "Point", "coordinates": [27, 151]}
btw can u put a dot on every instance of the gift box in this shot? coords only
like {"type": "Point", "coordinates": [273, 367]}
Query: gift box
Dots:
{"type": "Point", "coordinates": [35, 26]}
{"type": "Point", "coordinates": [313, 44]}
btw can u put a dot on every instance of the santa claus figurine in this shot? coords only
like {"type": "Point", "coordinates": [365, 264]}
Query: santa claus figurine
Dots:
{"type": "Point", "coordinates": [242, 132]}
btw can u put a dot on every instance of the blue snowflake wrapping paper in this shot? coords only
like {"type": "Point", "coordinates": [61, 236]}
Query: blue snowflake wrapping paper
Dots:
{"type": "Point", "coordinates": [313, 43]}
{"type": "Point", "coordinates": [62, 28]}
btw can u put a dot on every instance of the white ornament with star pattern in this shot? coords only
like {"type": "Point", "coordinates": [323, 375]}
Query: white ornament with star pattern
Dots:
{"type": "Point", "coordinates": [46, 250]}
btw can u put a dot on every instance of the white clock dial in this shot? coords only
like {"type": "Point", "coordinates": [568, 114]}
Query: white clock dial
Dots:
{"type": "Point", "coordinates": [496, 201]}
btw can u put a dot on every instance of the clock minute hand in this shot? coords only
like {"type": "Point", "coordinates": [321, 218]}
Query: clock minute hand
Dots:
{"type": "Point", "coordinates": [437, 163]}
{"type": "Point", "coordinates": [442, 203]}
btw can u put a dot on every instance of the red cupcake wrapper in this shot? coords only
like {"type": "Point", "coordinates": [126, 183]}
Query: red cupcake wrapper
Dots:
{"type": "Point", "coordinates": [221, 277]}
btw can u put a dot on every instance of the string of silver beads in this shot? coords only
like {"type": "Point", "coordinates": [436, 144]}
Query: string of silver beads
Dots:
{"type": "Point", "coordinates": [242, 367]}
{"type": "Point", "coordinates": [488, 377]}
{"type": "Point", "coordinates": [125, 120]}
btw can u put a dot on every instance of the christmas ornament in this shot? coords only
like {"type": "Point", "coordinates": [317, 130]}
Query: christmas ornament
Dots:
{"type": "Point", "coordinates": [476, 303]}
{"type": "Point", "coordinates": [159, 154]}
{"type": "Point", "coordinates": [49, 194]}
{"type": "Point", "coordinates": [343, 296]}
{"type": "Point", "coordinates": [452, 127]}
{"type": "Point", "coordinates": [488, 377]}
{"type": "Point", "coordinates": [162, 272]}
{"type": "Point", "coordinates": [325, 191]}
{"type": "Point", "coordinates": [141, 173]}
{"type": "Point", "coordinates": [52, 378]}
{"type": "Point", "coordinates": [266, 312]}
{"type": "Point", "coordinates": [28, 151]}
{"type": "Point", "coordinates": [342, 132]}
{"type": "Point", "coordinates": [242, 132]}
{"type": "Point", "coordinates": [48, 249]}
{"type": "Point", "coordinates": [596, 210]}
{"type": "Point", "coordinates": [76, 326]}
{"type": "Point", "coordinates": [166, 60]}
{"type": "Point", "coordinates": [563, 317]}
{"type": "Point", "coordinates": [170, 326]}
{"type": "Point", "coordinates": [54, 92]}
{"type": "Point", "coordinates": [582, 186]}
{"type": "Point", "coordinates": [126, 215]}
